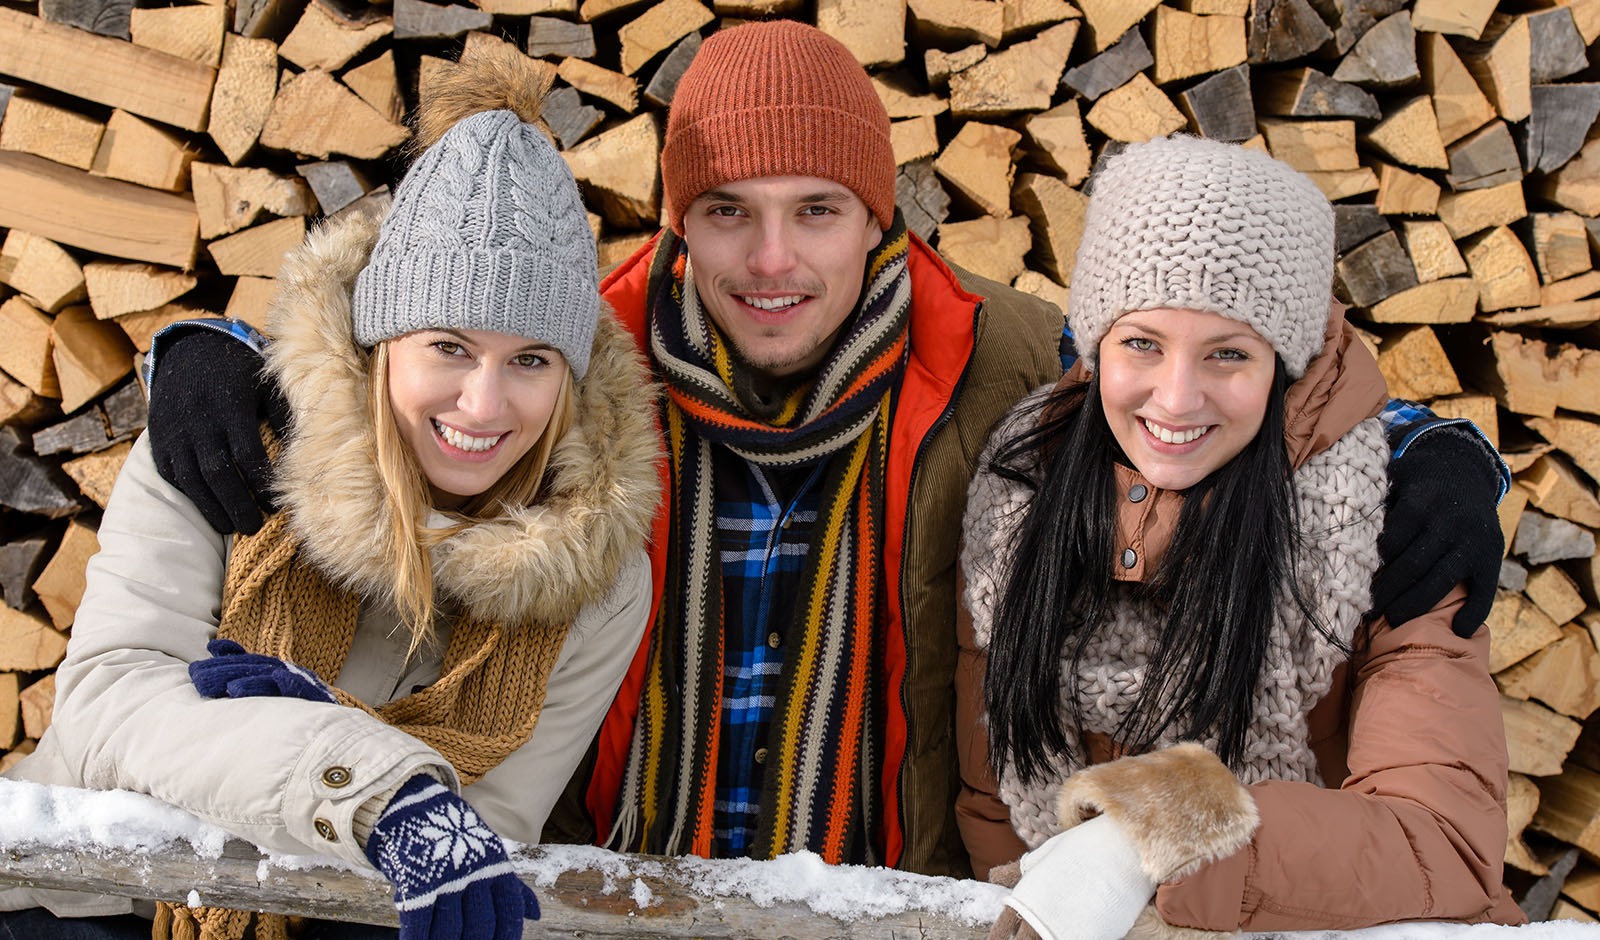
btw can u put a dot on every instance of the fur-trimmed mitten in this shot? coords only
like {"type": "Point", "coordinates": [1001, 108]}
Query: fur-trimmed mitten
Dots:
{"type": "Point", "coordinates": [1128, 826]}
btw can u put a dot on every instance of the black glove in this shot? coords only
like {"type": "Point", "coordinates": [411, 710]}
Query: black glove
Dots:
{"type": "Point", "coordinates": [206, 408]}
{"type": "Point", "coordinates": [1441, 530]}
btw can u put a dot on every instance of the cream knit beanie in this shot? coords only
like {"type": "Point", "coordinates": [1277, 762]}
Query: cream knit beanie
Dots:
{"type": "Point", "coordinates": [1196, 224]}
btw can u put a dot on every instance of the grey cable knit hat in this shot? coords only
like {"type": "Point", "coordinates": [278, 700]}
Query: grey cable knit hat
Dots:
{"type": "Point", "coordinates": [487, 232]}
{"type": "Point", "coordinates": [1196, 224]}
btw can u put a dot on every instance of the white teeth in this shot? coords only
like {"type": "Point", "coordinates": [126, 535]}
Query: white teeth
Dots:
{"type": "Point", "coordinates": [464, 442]}
{"type": "Point", "coordinates": [774, 303]}
{"type": "Point", "coordinates": [1175, 437]}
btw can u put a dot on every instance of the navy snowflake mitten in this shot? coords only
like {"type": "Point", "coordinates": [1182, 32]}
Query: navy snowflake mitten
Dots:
{"type": "Point", "coordinates": [452, 878]}
{"type": "Point", "coordinates": [235, 672]}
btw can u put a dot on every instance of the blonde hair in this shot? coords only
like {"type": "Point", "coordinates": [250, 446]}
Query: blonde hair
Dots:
{"type": "Point", "coordinates": [406, 492]}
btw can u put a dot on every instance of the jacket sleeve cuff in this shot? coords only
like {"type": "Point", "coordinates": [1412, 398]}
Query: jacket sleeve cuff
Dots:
{"type": "Point", "coordinates": [1181, 807]}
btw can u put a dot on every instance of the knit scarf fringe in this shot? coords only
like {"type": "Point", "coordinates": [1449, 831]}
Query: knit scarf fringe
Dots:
{"type": "Point", "coordinates": [485, 704]}
{"type": "Point", "coordinates": [817, 792]}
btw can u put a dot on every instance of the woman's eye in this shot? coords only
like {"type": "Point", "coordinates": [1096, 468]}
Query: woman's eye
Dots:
{"type": "Point", "coordinates": [1139, 344]}
{"type": "Point", "coordinates": [531, 360]}
{"type": "Point", "coordinates": [1232, 355]}
{"type": "Point", "coordinates": [447, 347]}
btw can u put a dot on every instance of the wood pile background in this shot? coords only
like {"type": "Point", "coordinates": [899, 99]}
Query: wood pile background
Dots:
{"type": "Point", "coordinates": [157, 161]}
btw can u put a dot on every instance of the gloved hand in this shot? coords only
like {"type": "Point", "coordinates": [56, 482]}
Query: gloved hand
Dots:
{"type": "Point", "coordinates": [452, 878]}
{"type": "Point", "coordinates": [207, 403]}
{"type": "Point", "coordinates": [233, 672]}
{"type": "Point", "coordinates": [1086, 883]}
{"type": "Point", "coordinates": [1441, 530]}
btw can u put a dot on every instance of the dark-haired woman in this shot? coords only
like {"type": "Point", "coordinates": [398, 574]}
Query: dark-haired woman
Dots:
{"type": "Point", "coordinates": [1193, 721]}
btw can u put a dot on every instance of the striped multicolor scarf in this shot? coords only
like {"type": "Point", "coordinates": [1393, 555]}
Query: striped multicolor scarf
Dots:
{"type": "Point", "coordinates": [818, 791]}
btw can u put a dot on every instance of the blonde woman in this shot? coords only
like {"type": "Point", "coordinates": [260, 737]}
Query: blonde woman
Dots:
{"type": "Point", "coordinates": [406, 663]}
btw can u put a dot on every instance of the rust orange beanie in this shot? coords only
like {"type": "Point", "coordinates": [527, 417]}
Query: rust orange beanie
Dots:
{"type": "Point", "coordinates": [776, 99]}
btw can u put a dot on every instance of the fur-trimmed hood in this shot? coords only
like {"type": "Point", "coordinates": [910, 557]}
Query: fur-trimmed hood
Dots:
{"type": "Point", "coordinates": [540, 564]}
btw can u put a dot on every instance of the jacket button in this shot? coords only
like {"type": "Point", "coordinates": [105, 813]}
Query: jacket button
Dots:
{"type": "Point", "coordinates": [1137, 493]}
{"type": "Point", "coordinates": [761, 755]}
{"type": "Point", "coordinates": [336, 777]}
{"type": "Point", "coordinates": [325, 830]}
{"type": "Point", "coordinates": [773, 640]}
{"type": "Point", "coordinates": [1129, 558]}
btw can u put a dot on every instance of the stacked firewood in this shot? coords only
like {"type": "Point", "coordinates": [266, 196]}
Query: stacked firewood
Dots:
{"type": "Point", "coordinates": [157, 162]}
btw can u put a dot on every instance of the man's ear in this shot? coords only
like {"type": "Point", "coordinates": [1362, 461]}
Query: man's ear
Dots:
{"type": "Point", "coordinates": [875, 231]}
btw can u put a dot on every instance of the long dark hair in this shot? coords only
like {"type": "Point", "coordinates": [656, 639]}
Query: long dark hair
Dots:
{"type": "Point", "coordinates": [1233, 554]}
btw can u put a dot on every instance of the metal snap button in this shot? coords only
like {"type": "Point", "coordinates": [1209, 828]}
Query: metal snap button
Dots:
{"type": "Point", "coordinates": [336, 776]}
{"type": "Point", "coordinates": [325, 830]}
{"type": "Point", "coordinates": [773, 640]}
{"type": "Point", "coordinates": [1129, 558]}
{"type": "Point", "coordinates": [1137, 493]}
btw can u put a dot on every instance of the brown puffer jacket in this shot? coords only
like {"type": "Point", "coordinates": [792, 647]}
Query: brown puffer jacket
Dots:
{"type": "Point", "coordinates": [1411, 822]}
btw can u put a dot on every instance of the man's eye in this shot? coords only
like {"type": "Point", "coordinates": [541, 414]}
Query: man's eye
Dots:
{"type": "Point", "coordinates": [816, 210]}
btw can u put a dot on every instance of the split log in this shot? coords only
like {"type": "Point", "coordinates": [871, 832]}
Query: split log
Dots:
{"type": "Point", "coordinates": [1564, 675]}
{"type": "Point", "coordinates": [30, 485]}
{"type": "Point", "coordinates": [1579, 439]}
{"type": "Point", "coordinates": [1542, 538]}
{"type": "Point", "coordinates": [1576, 185]}
{"type": "Point", "coordinates": [1032, 282]}
{"type": "Point", "coordinates": [90, 356]}
{"type": "Point", "coordinates": [1354, 224]}
{"type": "Point", "coordinates": [1458, 102]}
{"type": "Point", "coordinates": [249, 300]}
{"type": "Point", "coordinates": [609, 165]}
{"type": "Point", "coordinates": [940, 65]}
{"type": "Point", "coordinates": [258, 251]}
{"type": "Point", "coordinates": [141, 327]}
{"type": "Point", "coordinates": [1586, 14]}
{"type": "Point", "coordinates": [1554, 592]}
{"type": "Point", "coordinates": [1342, 184]}
{"type": "Point", "coordinates": [109, 216]}
{"type": "Point", "coordinates": [1410, 135]}
{"type": "Point", "coordinates": [19, 406]}
{"type": "Point", "coordinates": [25, 347]}
{"type": "Point", "coordinates": [1055, 211]}
{"type": "Point", "coordinates": [118, 288]}
{"type": "Point", "coordinates": [1401, 192]}
{"type": "Point", "coordinates": [920, 198]}
{"type": "Point", "coordinates": [1560, 245]}
{"type": "Point", "coordinates": [591, 10]}
{"type": "Point", "coordinates": [41, 271]}
{"type": "Point", "coordinates": [1138, 111]}
{"type": "Point", "coordinates": [418, 19]}
{"type": "Point", "coordinates": [913, 139]}
{"type": "Point", "coordinates": [84, 433]}
{"type": "Point", "coordinates": [1109, 20]}
{"type": "Point", "coordinates": [1186, 45]}
{"type": "Point", "coordinates": [1057, 136]}
{"type": "Point", "coordinates": [568, 117]}
{"type": "Point", "coordinates": [1312, 145]}
{"type": "Point", "coordinates": [188, 32]}
{"type": "Point", "coordinates": [1505, 274]}
{"type": "Point", "coordinates": [265, 19]}
{"type": "Point", "coordinates": [36, 703]}
{"type": "Point", "coordinates": [1510, 511]}
{"type": "Point", "coordinates": [231, 198]}
{"type": "Point", "coordinates": [1571, 289]}
{"type": "Point", "coordinates": [1555, 47]}
{"type": "Point", "coordinates": [658, 29]}
{"type": "Point", "coordinates": [14, 757]}
{"type": "Point", "coordinates": [1526, 379]}
{"type": "Point", "coordinates": [945, 22]}
{"type": "Point", "coordinates": [1475, 210]}
{"type": "Point", "coordinates": [1456, 17]}
{"type": "Point", "coordinates": [1479, 409]}
{"type": "Point", "coordinates": [1308, 93]}
{"type": "Point", "coordinates": [1353, 19]}
{"type": "Point", "coordinates": [1385, 57]}
{"type": "Point", "coordinates": [1500, 63]}
{"type": "Point", "coordinates": [247, 81]}
{"type": "Point", "coordinates": [136, 151]}
{"type": "Point", "coordinates": [527, 7]}
{"type": "Point", "coordinates": [1583, 885]}
{"type": "Point", "coordinates": [1021, 78]}
{"type": "Point", "coordinates": [1375, 270]}
{"type": "Point", "coordinates": [1415, 366]}
{"type": "Point", "coordinates": [122, 75]}
{"type": "Point", "coordinates": [978, 164]}
{"type": "Point", "coordinates": [613, 251]}
{"type": "Point", "coordinates": [125, 411]}
{"type": "Point", "coordinates": [1221, 108]}
{"type": "Point", "coordinates": [377, 85]}
{"type": "Point", "coordinates": [601, 82]}
{"type": "Point", "coordinates": [1562, 115]}
{"type": "Point", "coordinates": [989, 247]}
{"type": "Point", "coordinates": [902, 102]}
{"type": "Point", "coordinates": [873, 30]}
{"type": "Point", "coordinates": [46, 130]}
{"type": "Point", "coordinates": [10, 709]}
{"type": "Point", "coordinates": [315, 116]}
{"type": "Point", "coordinates": [553, 36]}
{"type": "Point", "coordinates": [28, 643]}
{"type": "Point", "coordinates": [1537, 741]}
{"type": "Point", "coordinates": [1486, 157]}
{"type": "Point", "coordinates": [60, 585]}
{"type": "Point", "coordinates": [1554, 487]}
{"type": "Point", "coordinates": [20, 562]}
{"type": "Point", "coordinates": [334, 183]}
{"type": "Point", "coordinates": [1111, 68]}
{"type": "Point", "coordinates": [665, 81]}
{"type": "Point", "coordinates": [1281, 30]}
{"type": "Point", "coordinates": [106, 17]}
{"type": "Point", "coordinates": [1569, 808]}
{"type": "Point", "coordinates": [324, 39]}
